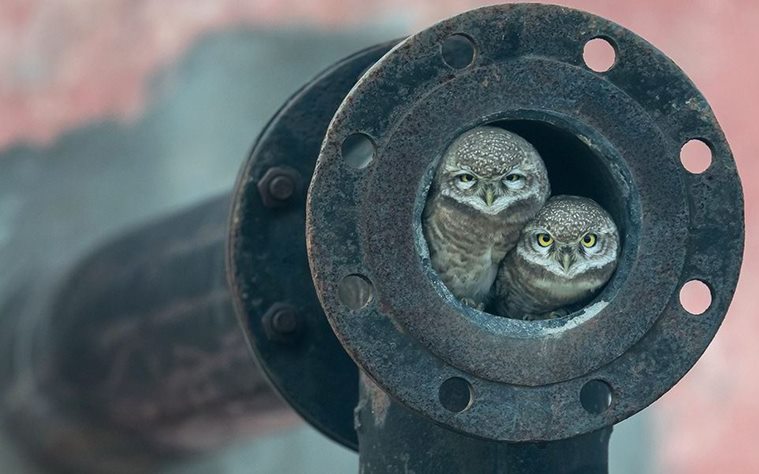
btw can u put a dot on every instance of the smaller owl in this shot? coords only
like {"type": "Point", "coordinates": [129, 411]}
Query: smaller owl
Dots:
{"type": "Point", "coordinates": [490, 182]}
{"type": "Point", "coordinates": [564, 256]}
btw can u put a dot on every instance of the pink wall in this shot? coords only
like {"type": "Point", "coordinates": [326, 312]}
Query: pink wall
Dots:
{"type": "Point", "coordinates": [65, 63]}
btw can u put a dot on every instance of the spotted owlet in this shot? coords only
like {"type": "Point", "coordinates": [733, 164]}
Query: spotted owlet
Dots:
{"type": "Point", "coordinates": [488, 184]}
{"type": "Point", "coordinates": [563, 257]}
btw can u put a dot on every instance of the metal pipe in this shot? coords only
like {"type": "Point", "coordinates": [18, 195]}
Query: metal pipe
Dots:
{"type": "Point", "coordinates": [138, 358]}
{"type": "Point", "coordinates": [392, 438]}
{"type": "Point", "coordinates": [522, 381]}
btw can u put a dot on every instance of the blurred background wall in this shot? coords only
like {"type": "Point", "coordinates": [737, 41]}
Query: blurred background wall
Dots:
{"type": "Point", "coordinates": [115, 111]}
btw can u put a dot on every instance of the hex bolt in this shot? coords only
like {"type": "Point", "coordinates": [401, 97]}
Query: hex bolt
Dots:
{"type": "Point", "coordinates": [281, 187]}
{"type": "Point", "coordinates": [281, 322]}
{"type": "Point", "coordinates": [284, 321]}
{"type": "Point", "coordinates": [277, 186]}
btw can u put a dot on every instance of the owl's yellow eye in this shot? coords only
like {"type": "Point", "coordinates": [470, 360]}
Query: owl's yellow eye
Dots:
{"type": "Point", "coordinates": [589, 240]}
{"type": "Point", "coordinates": [466, 178]}
{"type": "Point", "coordinates": [544, 240]}
{"type": "Point", "coordinates": [513, 177]}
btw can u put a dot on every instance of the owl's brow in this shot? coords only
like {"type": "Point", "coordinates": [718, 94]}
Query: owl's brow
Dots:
{"type": "Point", "coordinates": [582, 232]}
{"type": "Point", "coordinates": [491, 171]}
{"type": "Point", "coordinates": [456, 170]}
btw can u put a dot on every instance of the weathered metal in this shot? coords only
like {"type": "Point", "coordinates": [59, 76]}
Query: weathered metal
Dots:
{"type": "Point", "coordinates": [267, 261]}
{"type": "Point", "coordinates": [138, 358]}
{"type": "Point", "coordinates": [619, 135]}
{"type": "Point", "coordinates": [444, 388]}
{"type": "Point", "coordinates": [394, 439]}
{"type": "Point", "coordinates": [277, 185]}
{"type": "Point", "coordinates": [281, 322]}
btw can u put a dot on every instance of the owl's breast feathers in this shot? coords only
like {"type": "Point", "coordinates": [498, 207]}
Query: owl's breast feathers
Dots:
{"type": "Point", "coordinates": [466, 246]}
{"type": "Point", "coordinates": [528, 291]}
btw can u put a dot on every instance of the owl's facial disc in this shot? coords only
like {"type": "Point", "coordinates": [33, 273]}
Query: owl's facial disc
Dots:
{"type": "Point", "coordinates": [490, 170]}
{"type": "Point", "coordinates": [571, 236]}
{"type": "Point", "coordinates": [487, 193]}
{"type": "Point", "coordinates": [568, 256]}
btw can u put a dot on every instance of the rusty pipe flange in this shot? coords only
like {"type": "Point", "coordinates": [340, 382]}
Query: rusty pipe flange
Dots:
{"type": "Point", "coordinates": [267, 264]}
{"type": "Point", "coordinates": [494, 377]}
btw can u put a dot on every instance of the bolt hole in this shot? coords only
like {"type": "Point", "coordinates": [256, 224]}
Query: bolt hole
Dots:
{"type": "Point", "coordinates": [458, 51]}
{"type": "Point", "coordinates": [455, 394]}
{"type": "Point", "coordinates": [595, 396]}
{"type": "Point", "coordinates": [355, 291]}
{"type": "Point", "coordinates": [696, 156]}
{"type": "Point", "coordinates": [599, 54]}
{"type": "Point", "coordinates": [358, 150]}
{"type": "Point", "coordinates": [695, 297]}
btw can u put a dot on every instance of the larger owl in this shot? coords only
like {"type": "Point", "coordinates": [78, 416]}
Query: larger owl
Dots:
{"type": "Point", "coordinates": [564, 256]}
{"type": "Point", "coordinates": [488, 184]}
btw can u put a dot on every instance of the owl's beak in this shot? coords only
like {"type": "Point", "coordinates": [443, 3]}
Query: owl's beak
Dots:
{"type": "Point", "coordinates": [489, 197]}
{"type": "Point", "coordinates": [566, 260]}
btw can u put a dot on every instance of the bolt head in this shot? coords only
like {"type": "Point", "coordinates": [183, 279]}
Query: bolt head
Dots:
{"type": "Point", "coordinates": [281, 187]}
{"type": "Point", "coordinates": [278, 185]}
{"type": "Point", "coordinates": [281, 322]}
{"type": "Point", "coordinates": [285, 321]}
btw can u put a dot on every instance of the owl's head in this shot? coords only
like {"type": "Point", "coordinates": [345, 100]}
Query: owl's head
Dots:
{"type": "Point", "coordinates": [492, 170]}
{"type": "Point", "coordinates": [572, 237]}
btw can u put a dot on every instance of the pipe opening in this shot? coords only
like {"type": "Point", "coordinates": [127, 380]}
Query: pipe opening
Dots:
{"type": "Point", "coordinates": [567, 265]}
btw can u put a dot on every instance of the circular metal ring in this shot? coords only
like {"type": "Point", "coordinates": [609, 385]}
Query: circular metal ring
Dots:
{"type": "Point", "coordinates": [267, 263]}
{"type": "Point", "coordinates": [411, 335]}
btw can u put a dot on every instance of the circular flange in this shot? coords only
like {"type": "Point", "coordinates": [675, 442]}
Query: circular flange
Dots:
{"type": "Point", "coordinates": [267, 263]}
{"type": "Point", "coordinates": [525, 377]}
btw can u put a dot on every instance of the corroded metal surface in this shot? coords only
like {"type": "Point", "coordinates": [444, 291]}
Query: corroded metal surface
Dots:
{"type": "Point", "coordinates": [267, 262]}
{"type": "Point", "coordinates": [528, 72]}
{"type": "Point", "coordinates": [138, 359]}
{"type": "Point", "coordinates": [394, 439]}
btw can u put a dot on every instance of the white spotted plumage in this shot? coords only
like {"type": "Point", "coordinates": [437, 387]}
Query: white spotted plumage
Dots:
{"type": "Point", "coordinates": [488, 184]}
{"type": "Point", "coordinates": [537, 281]}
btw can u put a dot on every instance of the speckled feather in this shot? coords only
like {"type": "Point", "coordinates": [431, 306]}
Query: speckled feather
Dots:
{"type": "Point", "coordinates": [468, 239]}
{"type": "Point", "coordinates": [531, 283]}
{"type": "Point", "coordinates": [490, 151]}
{"type": "Point", "coordinates": [567, 217]}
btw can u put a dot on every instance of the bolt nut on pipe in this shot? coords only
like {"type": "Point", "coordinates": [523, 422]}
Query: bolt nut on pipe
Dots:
{"type": "Point", "coordinates": [281, 322]}
{"type": "Point", "coordinates": [278, 185]}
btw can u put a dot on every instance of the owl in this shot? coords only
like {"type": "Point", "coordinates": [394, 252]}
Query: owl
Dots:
{"type": "Point", "coordinates": [564, 256]}
{"type": "Point", "coordinates": [489, 184]}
